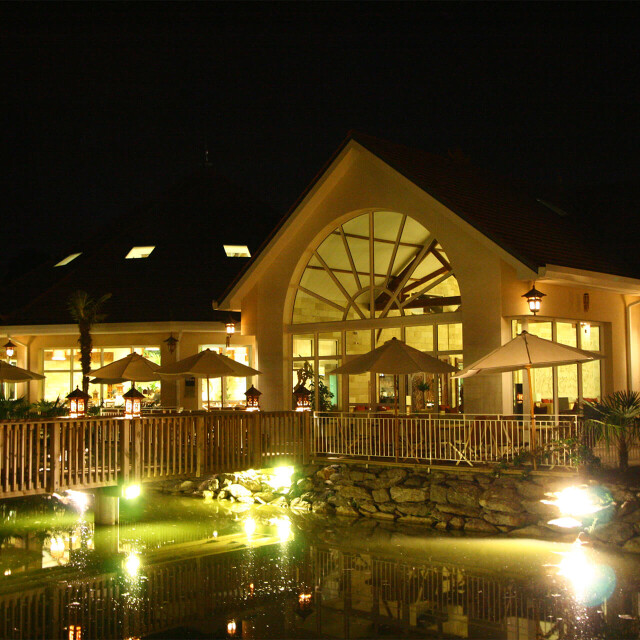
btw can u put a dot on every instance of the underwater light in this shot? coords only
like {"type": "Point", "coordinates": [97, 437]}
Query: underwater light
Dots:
{"type": "Point", "coordinates": [249, 526]}
{"type": "Point", "coordinates": [280, 478]}
{"type": "Point", "coordinates": [283, 525]}
{"type": "Point", "coordinates": [78, 499]}
{"type": "Point", "coordinates": [131, 491]}
{"type": "Point", "coordinates": [132, 565]}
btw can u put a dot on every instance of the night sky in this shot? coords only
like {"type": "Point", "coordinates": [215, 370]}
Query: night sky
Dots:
{"type": "Point", "coordinates": [105, 105]}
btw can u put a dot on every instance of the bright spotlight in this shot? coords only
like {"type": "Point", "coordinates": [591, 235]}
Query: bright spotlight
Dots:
{"type": "Point", "coordinates": [280, 478]}
{"type": "Point", "coordinates": [78, 499]}
{"type": "Point", "coordinates": [249, 526]}
{"type": "Point", "coordinates": [132, 565]}
{"type": "Point", "coordinates": [132, 491]}
{"type": "Point", "coordinates": [283, 525]}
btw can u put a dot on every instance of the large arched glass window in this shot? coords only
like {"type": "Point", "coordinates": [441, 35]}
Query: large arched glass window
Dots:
{"type": "Point", "coordinates": [379, 275]}
{"type": "Point", "coordinates": [377, 265]}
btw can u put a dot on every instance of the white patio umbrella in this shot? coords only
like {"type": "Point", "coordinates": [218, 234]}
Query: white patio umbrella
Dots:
{"type": "Point", "coordinates": [396, 358]}
{"type": "Point", "coordinates": [207, 364]}
{"type": "Point", "coordinates": [11, 373]}
{"type": "Point", "coordinates": [527, 351]}
{"type": "Point", "coordinates": [132, 367]}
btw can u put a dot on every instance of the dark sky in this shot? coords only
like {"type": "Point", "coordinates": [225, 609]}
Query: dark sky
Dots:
{"type": "Point", "coordinates": [104, 105]}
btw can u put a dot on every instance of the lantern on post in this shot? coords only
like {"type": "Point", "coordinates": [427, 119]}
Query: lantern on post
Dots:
{"type": "Point", "coordinates": [304, 609]}
{"type": "Point", "coordinates": [9, 349]}
{"type": "Point", "coordinates": [302, 396]}
{"type": "Point", "coordinates": [534, 298]}
{"type": "Point", "coordinates": [78, 401]}
{"type": "Point", "coordinates": [231, 329]}
{"type": "Point", "coordinates": [253, 398]}
{"type": "Point", "coordinates": [132, 403]}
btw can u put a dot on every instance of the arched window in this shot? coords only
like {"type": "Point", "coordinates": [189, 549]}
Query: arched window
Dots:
{"type": "Point", "coordinates": [380, 274]}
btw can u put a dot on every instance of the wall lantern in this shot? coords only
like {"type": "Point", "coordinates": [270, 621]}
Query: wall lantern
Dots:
{"type": "Point", "coordinates": [253, 398]}
{"type": "Point", "coordinates": [232, 627]}
{"type": "Point", "coordinates": [132, 403]}
{"type": "Point", "coordinates": [171, 343]}
{"type": "Point", "coordinates": [78, 401]}
{"type": "Point", "coordinates": [10, 349]}
{"type": "Point", "coordinates": [302, 397]}
{"type": "Point", "coordinates": [304, 609]}
{"type": "Point", "coordinates": [534, 298]}
{"type": "Point", "coordinates": [519, 394]}
{"type": "Point", "coordinates": [231, 329]}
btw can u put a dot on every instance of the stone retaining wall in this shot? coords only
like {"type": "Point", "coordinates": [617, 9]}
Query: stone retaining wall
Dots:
{"type": "Point", "coordinates": [444, 500]}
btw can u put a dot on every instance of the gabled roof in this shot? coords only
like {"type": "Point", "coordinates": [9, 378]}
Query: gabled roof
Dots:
{"type": "Point", "coordinates": [532, 230]}
{"type": "Point", "coordinates": [188, 268]}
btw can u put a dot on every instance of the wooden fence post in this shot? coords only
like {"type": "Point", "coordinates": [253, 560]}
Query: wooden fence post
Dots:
{"type": "Point", "coordinates": [255, 430]}
{"type": "Point", "coordinates": [200, 445]}
{"type": "Point", "coordinates": [136, 462]}
{"type": "Point", "coordinates": [307, 432]}
{"type": "Point", "coordinates": [125, 450]}
{"type": "Point", "coordinates": [54, 456]}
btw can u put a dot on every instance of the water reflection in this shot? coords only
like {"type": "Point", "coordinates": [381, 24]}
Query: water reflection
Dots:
{"type": "Point", "coordinates": [180, 567]}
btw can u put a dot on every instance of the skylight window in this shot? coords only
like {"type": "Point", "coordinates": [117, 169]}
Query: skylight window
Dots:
{"type": "Point", "coordinates": [237, 251]}
{"type": "Point", "coordinates": [139, 252]}
{"type": "Point", "coordinates": [68, 259]}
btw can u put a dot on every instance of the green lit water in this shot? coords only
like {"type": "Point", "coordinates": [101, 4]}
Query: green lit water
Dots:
{"type": "Point", "coordinates": [188, 568]}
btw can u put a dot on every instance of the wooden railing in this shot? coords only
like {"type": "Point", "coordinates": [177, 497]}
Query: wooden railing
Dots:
{"type": "Point", "coordinates": [463, 439]}
{"type": "Point", "coordinates": [47, 456]}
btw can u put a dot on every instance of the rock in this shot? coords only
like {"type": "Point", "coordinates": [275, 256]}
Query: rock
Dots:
{"type": "Point", "coordinates": [403, 494]}
{"type": "Point", "coordinates": [501, 499]}
{"type": "Point", "coordinates": [354, 492]}
{"type": "Point", "coordinates": [530, 490]}
{"type": "Point", "coordinates": [413, 509]}
{"type": "Point", "coordinates": [391, 477]}
{"type": "Point", "coordinates": [509, 519]}
{"type": "Point", "coordinates": [621, 494]}
{"type": "Point", "coordinates": [413, 481]}
{"type": "Point", "coordinates": [477, 524]}
{"type": "Point", "coordinates": [387, 507]}
{"type": "Point", "coordinates": [246, 499]}
{"type": "Point", "coordinates": [280, 501]}
{"type": "Point", "coordinates": [367, 507]}
{"type": "Point", "coordinates": [360, 476]}
{"type": "Point", "coordinates": [381, 515]}
{"type": "Point", "coordinates": [304, 484]}
{"type": "Point", "coordinates": [457, 522]}
{"type": "Point", "coordinates": [186, 486]}
{"type": "Point", "coordinates": [250, 482]}
{"type": "Point", "coordinates": [613, 532]}
{"type": "Point", "coordinates": [459, 511]}
{"type": "Point", "coordinates": [212, 484]}
{"type": "Point", "coordinates": [265, 496]}
{"type": "Point", "coordinates": [424, 522]}
{"type": "Point", "coordinates": [347, 511]}
{"type": "Point", "coordinates": [380, 495]}
{"type": "Point", "coordinates": [547, 511]}
{"type": "Point", "coordinates": [238, 491]}
{"type": "Point", "coordinates": [632, 545]}
{"type": "Point", "coordinates": [533, 531]}
{"type": "Point", "coordinates": [442, 525]}
{"type": "Point", "coordinates": [438, 493]}
{"type": "Point", "coordinates": [322, 508]}
{"type": "Point", "coordinates": [464, 494]}
{"type": "Point", "coordinates": [300, 506]}
{"type": "Point", "coordinates": [631, 517]}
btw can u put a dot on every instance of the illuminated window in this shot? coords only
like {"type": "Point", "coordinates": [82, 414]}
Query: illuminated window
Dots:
{"type": "Point", "coordinates": [139, 252]}
{"type": "Point", "coordinates": [237, 251]}
{"type": "Point", "coordinates": [68, 259]}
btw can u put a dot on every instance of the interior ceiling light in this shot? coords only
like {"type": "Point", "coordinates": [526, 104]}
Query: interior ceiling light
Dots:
{"type": "Point", "coordinates": [139, 252]}
{"type": "Point", "coordinates": [68, 259]}
{"type": "Point", "coordinates": [237, 251]}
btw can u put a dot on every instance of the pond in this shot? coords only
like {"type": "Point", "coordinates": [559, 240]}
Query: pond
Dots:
{"type": "Point", "coordinates": [190, 568]}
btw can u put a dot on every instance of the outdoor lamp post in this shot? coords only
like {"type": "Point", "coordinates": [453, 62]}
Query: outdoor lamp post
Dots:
{"type": "Point", "coordinates": [302, 396]}
{"type": "Point", "coordinates": [10, 349]}
{"type": "Point", "coordinates": [534, 298]}
{"type": "Point", "coordinates": [132, 403]}
{"type": "Point", "coordinates": [78, 401]}
{"type": "Point", "coordinates": [253, 398]}
{"type": "Point", "coordinates": [231, 329]}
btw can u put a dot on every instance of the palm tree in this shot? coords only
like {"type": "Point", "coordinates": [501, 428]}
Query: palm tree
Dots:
{"type": "Point", "coordinates": [617, 421]}
{"type": "Point", "coordinates": [85, 310]}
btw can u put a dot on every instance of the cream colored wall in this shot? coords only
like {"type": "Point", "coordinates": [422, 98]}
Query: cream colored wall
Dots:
{"type": "Point", "coordinates": [365, 183]}
{"type": "Point", "coordinates": [31, 347]}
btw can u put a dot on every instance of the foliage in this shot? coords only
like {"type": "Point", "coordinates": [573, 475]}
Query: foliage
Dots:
{"type": "Point", "coordinates": [571, 449]}
{"type": "Point", "coordinates": [20, 409]}
{"type": "Point", "coordinates": [86, 311]}
{"type": "Point", "coordinates": [616, 421]}
{"type": "Point", "coordinates": [423, 386]}
{"type": "Point", "coordinates": [324, 394]}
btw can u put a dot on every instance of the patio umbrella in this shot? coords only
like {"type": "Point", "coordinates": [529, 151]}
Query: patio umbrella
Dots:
{"type": "Point", "coordinates": [207, 364]}
{"type": "Point", "coordinates": [11, 373]}
{"type": "Point", "coordinates": [527, 351]}
{"type": "Point", "coordinates": [396, 358]}
{"type": "Point", "coordinates": [132, 367]}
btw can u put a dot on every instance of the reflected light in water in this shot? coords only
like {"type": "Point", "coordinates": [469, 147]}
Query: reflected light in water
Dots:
{"type": "Point", "coordinates": [132, 565]}
{"type": "Point", "coordinates": [132, 491]}
{"type": "Point", "coordinates": [283, 525]}
{"type": "Point", "coordinates": [232, 627]}
{"type": "Point", "coordinates": [591, 583]}
{"type": "Point", "coordinates": [249, 526]}
{"type": "Point", "coordinates": [76, 499]}
{"type": "Point", "coordinates": [566, 523]}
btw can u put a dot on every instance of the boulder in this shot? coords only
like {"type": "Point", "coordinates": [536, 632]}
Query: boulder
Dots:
{"type": "Point", "coordinates": [392, 477]}
{"type": "Point", "coordinates": [413, 481]}
{"type": "Point", "coordinates": [321, 507]}
{"type": "Point", "coordinates": [438, 493]}
{"type": "Point", "coordinates": [354, 492]}
{"type": "Point", "coordinates": [265, 496]}
{"type": "Point", "coordinates": [347, 511]}
{"type": "Point", "coordinates": [509, 519]}
{"type": "Point", "coordinates": [381, 495]}
{"type": "Point", "coordinates": [367, 507]}
{"type": "Point", "coordinates": [381, 515]}
{"type": "Point", "coordinates": [442, 525]}
{"type": "Point", "coordinates": [280, 501]}
{"type": "Point", "coordinates": [187, 486]}
{"type": "Point", "coordinates": [457, 522]}
{"type": "Point", "coordinates": [250, 482]}
{"type": "Point", "coordinates": [304, 484]}
{"type": "Point", "coordinates": [479, 525]}
{"type": "Point", "coordinates": [632, 545]}
{"type": "Point", "coordinates": [360, 476]}
{"type": "Point", "coordinates": [530, 490]}
{"type": "Point", "coordinates": [387, 507]}
{"type": "Point", "coordinates": [453, 509]}
{"type": "Point", "coordinates": [408, 494]}
{"type": "Point", "coordinates": [464, 494]}
{"type": "Point", "coordinates": [498, 498]}
{"type": "Point", "coordinates": [238, 491]}
{"type": "Point", "coordinates": [413, 509]}
{"type": "Point", "coordinates": [613, 532]}
{"type": "Point", "coordinates": [541, 509]}
{"type": "Point", "coordinates": [211, 484]}
{"type": "Point", "coordinates": [424, 522]}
